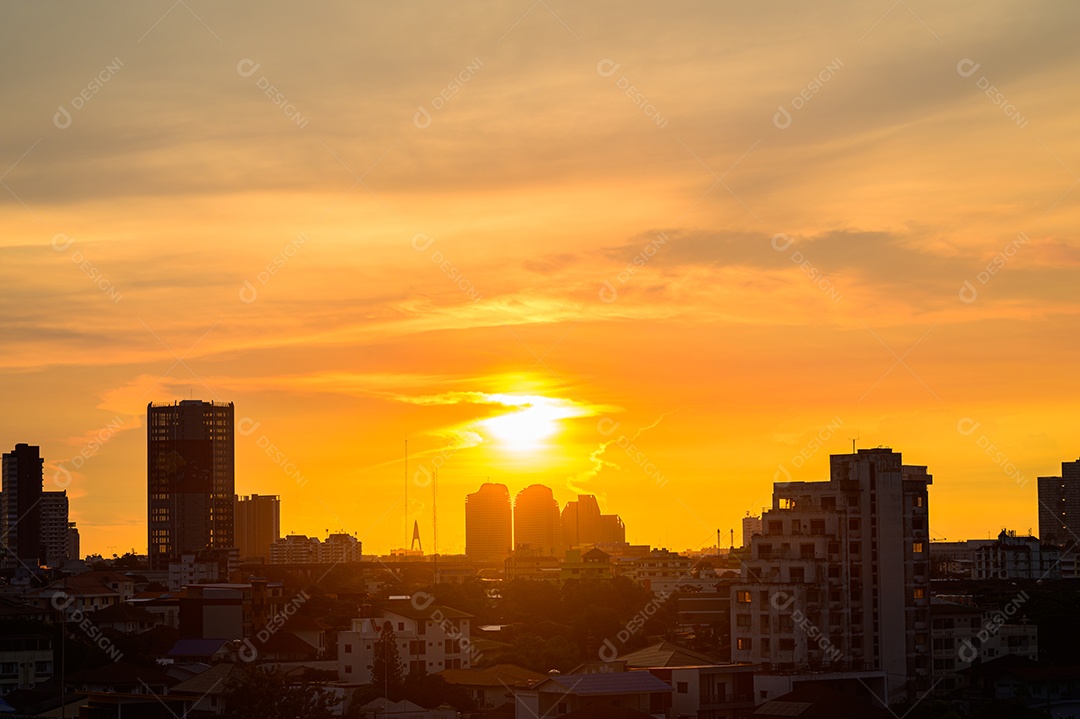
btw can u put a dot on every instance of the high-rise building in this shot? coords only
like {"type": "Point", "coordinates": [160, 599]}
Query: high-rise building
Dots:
{"type": "Point", "coordinates": [750, 526]}
{"type": "Point", "coordinates": [190, 479]}
{"type": "Point", "coordinates": [258, 525]}
{"type": "Point", "coordinates": [488, 535]}
{"type": "Point", "coordinates": [20, 506]}
{"type": "Point", "coordinates": [584, 525]}
{"type": "Point", "coordinates": [839, 579]}
{"type": "Point", "coordinates": [54, 527]}
{"type": "Point", "coordinates": [74, 548]}
{"type": "Point", "coordinates": [1059, 507]}
{"type": "Point", "coordinates": [536, 522]}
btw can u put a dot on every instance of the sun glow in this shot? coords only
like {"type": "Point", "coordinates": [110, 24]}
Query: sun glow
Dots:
{"type": "Point", "coordinates": [532, 425]}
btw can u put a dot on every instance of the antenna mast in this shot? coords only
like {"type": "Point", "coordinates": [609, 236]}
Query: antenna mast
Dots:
{"type": "Point", "coordinates": [435, 524]}
{"type": "Point", "coordinates": [406, 492]}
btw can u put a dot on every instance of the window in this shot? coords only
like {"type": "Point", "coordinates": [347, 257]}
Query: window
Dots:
{"type": "Point", "coordinates": [828, 502]}
{"type": "Point", "coordinates": [744, 643]}
{"type": "Point", "coordinates": [742, 597]}
{"type": "Point", "coordinates": [787, 644]}
{"type": "Point", "coordinates": [776, 526]}
{"type": "Point", "coordinates": [918, 501]}
{"type": "Point", "coordinates": [348, 669]}
{"type": "Point", "coordinates": [853, 524]}
{"type": "Point", "coordinates": [742, 620]}
{"type": "Point", "coordinates": [856, 548]}
{"type": "Point", "coordinates": [682, 687]}
{"type": "Point", "coordinates": [920, 593]}
{"type": "Point", "coordinates": [797, 575]}
{"type": "Point", "coordinates": [917, 547]}
{"type": "Point", "coordinates": [764, 551]}
{"type": "Point", "coordinates": [817, 526]}
{"type": "Point", "coordinates": [806, 551]}
{"type": "Point", "coordinates": [401, 626]}
{"type": "Point", "coordinates": [348, 648]}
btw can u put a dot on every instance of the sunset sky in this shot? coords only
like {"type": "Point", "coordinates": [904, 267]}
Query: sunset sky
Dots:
{"type": "Point", "coordinates": [523, 236]}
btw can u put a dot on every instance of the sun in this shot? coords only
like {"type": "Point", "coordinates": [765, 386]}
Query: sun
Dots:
{"type": "Point", "coordinates": [531, 426]}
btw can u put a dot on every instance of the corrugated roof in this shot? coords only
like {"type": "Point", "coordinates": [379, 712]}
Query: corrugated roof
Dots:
{"type": "Point", "coordinates": [667, 654]}
{"type": "Point", "coordinates": [614, 683]}
{"type": "Point", "coordinates": [213, 680]}
{"type": "Point", "coordinates": [408, 609]}
{"type": "Point", "coordinates": [196, 647]}
{"type": "Point", "coordinates": [493, 676]}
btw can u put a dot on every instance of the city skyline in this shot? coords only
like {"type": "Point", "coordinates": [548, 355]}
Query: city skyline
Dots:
{"type": "Point", "coordinates": [655, 256]}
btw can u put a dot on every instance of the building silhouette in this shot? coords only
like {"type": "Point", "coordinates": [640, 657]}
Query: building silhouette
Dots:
{"type": "Point", "coordinates": [536, 522]}
{"type": "Point", "coordinates": [488, 533]}
{"type": "Point", "coordinates": [20, 507]}
{"type": "Point", "coordinates": [1059, 506]}
{"type": "Point", "coordinates": [839, 578]}
{"type": "Point", "coordinates": [584, 525]}
{"type": "Point", "coordinates": [190, 479]}
{"type": "Point", "coordinates": [55, 527]}
{"type": "Point", "coordinates": [257, 525]}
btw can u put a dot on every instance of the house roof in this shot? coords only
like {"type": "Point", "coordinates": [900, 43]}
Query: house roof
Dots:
{"type": "Point", "coordinates": [123, 612]}
{"type": "Point", "coordinates": [196, 647]}
{"type": "Point", "coordinates": [636, 682]}
{"type": "Point", "coordinates": [213, 680]}
{"type": "Point", "coordinates": [407, 608]}
{"type": "Point", "coordinates": [120, 673]}
{"type": "Point", "coordinates": [667, 654]}
{"type": "Point", "coordinates": [810, 700]}
{"type": "Point", "coordinates": [95, 582]}
{"type": "Point", "coordinates": [386, 706]}
{"type": "Point", "coordinates": [497, 675]}
{"type": "Point", "coordinates": [289, 643]}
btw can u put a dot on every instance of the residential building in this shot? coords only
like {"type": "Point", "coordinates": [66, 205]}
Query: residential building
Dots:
{"type": "Point", "coordinates": [839, 578]}
{"type": "Point", "coordinates": [488, 534]}
{"type": "Point", "coordinates": [750, 526]}
{"type": "Point", "coordinates": [662, 571]}
{"type": "Point", "coordinates": [1013, 557]}
{"type": "Point", "coordinates": [963, 634]}
{"type": "Point", "coordinates": [86, 592]}
{"type": "Point", "coordinates": [537, 525]}
{"type": "Point", "coordinates": [536, 568]}
{"type": "Point", "coordinates": [257, 525]}
{"type": "Point", "coordinates": [300, 549]}
{"type": "Point", "coordinates": [592, 565]}
{"type": "Point", "coordinates": [229, 611]}
{"type": "Point", "coordinates": [25, 661]}
{"type": "Point", "coordinates": [192, 569]}
{"type": "Point", "coordinates": [55, 527]}
{"type": "Point", "coordinates": [20, 507]}
{"type": "Point", "coordinates": [190, 479]}
{"type": "Point", "coordinates": [430, 638]}
{"type": "Point", "coordinates": [1059, 506]}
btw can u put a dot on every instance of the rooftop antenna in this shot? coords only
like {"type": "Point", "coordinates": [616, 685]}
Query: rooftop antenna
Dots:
{"type": "Point", "coordinates": [853, 441]}
{"type": "Point", "coordinates": [406, 491]}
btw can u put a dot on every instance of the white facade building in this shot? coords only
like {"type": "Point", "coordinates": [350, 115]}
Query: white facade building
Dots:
{"type": "Point", "coordinates": [430, 638]}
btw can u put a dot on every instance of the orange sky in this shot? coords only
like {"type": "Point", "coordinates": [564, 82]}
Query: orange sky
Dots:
{"type": "Point", "coordinates": [597, 220]}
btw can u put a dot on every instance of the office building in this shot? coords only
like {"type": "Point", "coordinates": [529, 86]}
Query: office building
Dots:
{"type": "Point", "coordinates": [20, 507]}
{"type": "Point", "coordinates": [536, 522]}
{"type": "Point", "coordinates": [583, 525]}
{"type": "Point", "coordinates": [258, 525]}
{"type": "Point", "coordinates": [190, 479]}
{"type": "Point", "coordinates": [488, 535]}
{"type": "Point", "coordinates": [839, 578]}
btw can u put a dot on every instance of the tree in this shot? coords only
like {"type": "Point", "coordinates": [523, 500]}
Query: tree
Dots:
{"type": "Point", "coordinates": [260, 693]}
{"type": "Point", "coordinates": [387, 670]}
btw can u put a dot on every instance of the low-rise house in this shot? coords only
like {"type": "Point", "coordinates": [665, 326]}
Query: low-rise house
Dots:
{"type": "Point", "coordinates": [560, 694]}
{"type": "Point", "coordinates": [492, 686]}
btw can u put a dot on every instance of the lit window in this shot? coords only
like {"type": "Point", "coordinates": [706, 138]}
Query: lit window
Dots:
{"type": "Point", "coordinates": [917, 547]}
{"type": "Point", "coordinates": [742, 597]}
{"type": "Point", "coordinates": [744, 643]}
{"type": "Point", "coordinates": [920, 593]}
